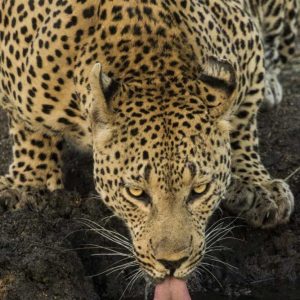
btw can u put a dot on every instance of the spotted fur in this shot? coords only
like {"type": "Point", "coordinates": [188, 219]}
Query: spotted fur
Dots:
{"type": "Point", "coordinates": [165, 93]}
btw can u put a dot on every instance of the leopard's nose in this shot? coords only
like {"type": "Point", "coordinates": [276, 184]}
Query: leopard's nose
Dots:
{"type": "Point", "coordinates": [173, 265]}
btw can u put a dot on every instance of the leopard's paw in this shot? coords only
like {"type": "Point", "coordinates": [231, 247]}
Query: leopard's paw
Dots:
{"type": "Point", "coordinates": [9, 197]}
{"type": "Point", "coordinates": [273, 92]}
{"type": "Point", "coordinates": [261, 205]}
{"type": "Point", "coordinates": [13, 198]}
{"type": "Point", "coordinates": [5, 183]}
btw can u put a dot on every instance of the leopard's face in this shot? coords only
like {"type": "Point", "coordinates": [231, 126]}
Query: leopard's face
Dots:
{"type": "Point", "coordinates": [163, 170]}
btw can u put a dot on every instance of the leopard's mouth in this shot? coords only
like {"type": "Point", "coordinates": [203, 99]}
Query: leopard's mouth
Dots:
{"type": "Point", "coordinates": [172, 288]}
{"type": "Point", "coordinates": [158, 276]}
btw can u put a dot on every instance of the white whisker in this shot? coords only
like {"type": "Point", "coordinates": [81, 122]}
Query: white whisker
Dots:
{"type": "Point", "coordinates": [217, 248]}
{"type": "Point", "coordinates": [219, 235]}
{"type": "Point", "coordinates": [98, 226]}
{"type": "Point", "coordinates": [220, 230]}
{"type": "Point", "coordinates": [212, 275]}
{"type": "Point", "coordinates": [103, 230]}
{"type": "Point", "coordinates": [115, 269]}
{"type": "Point", "coordinates": [112, 254]}
{"type": "Point", "coordinates": [131, 283]}
{"type": "Point", "coordinates": [112, 250]}
{"type": "Point", "coordinates": [213, 258]}
{"type": "Point", "coordinates": [111, 236]}
{"type": "Point", "coordinates": [210, 265]}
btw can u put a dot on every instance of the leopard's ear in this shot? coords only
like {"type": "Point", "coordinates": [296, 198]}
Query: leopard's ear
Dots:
{"type": "Point", "coordinates": [219, 80]}
{"type": "Point", "coordinates": [103, 88]}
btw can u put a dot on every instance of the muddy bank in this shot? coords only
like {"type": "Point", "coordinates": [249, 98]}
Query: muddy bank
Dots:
{"type": "Point", "coordinates": [40, 259]}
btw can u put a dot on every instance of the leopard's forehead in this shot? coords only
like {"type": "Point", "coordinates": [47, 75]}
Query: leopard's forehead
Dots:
{"type": "Point", "coordinates": [164, 109]}
{"type": "Point", "coordinates": [171, 130]}
{"type": "Point", "coordinates": [166, 148]}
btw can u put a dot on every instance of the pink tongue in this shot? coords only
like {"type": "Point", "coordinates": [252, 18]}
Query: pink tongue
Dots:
{"type": "Point", "coordinates": [172, 289]}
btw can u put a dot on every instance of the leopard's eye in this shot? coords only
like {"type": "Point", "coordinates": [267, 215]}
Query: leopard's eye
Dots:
{"type": "Point", "coordinates": [201, 189]}
{"type": "Point", "coordinates": [139, 194]}
{"type": "Point", "coordinates": [198, 192]}
{"type": "Point", "coordinates": [135, 192]}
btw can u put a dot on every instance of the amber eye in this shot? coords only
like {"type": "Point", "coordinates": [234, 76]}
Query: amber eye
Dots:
{"type": "Point", "coordinates": [197, 192]}
{"type": "Point", "coordinates": [134, 192]}
{"type": "Point", "coordinates": [201, 189]}
{"type": "Point", "coordinates": [139, 194]}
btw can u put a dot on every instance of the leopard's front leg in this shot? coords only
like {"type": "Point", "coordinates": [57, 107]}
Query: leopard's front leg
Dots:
{"type": "Point", "coordinates": [253, 194]}
{"type": "Point", "coordinates": [36, 163]}
{"type": "Point", "coordinates": [278, 27]}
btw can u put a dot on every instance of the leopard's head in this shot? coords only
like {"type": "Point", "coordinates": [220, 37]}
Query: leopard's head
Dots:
{"type": "Point", "coordinates": [162, 161]}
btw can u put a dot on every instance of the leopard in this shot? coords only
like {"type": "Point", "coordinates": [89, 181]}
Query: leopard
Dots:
{"type": "Point", "coordinates": [165, 95]}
